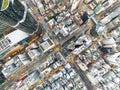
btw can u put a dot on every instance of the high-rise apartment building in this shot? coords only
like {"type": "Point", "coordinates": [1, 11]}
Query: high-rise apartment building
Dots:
{"type": "Point", "coordinates": [15, 14]}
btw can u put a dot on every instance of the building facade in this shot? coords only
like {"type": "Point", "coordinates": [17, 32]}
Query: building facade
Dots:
{"type": "Point", "coordinates": [15, 14]}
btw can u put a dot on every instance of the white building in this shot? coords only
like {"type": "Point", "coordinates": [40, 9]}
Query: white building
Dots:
{"type": "Point", "coordinates": [75, 4]}
{"type": "Point", "coordinates": [14, 64]}
{"type": "Point", "coordinates": [33, 53]}
{"type": "Point", "coordinates": [109, 43]}
{"type": "Point", "coordinates": [12, 39]}
{"type": "Point", "coordinates": [112, 15]}
{"type": "Point", "coordinates": [113, 59]}
{"type": "Point", "coordinates": [40, 6]}
{"type": "Point", "coordinates": [47, 45]}
{"type": "Point", "coordinates": [32, 78]}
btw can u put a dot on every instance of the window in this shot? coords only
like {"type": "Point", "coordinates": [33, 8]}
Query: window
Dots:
{"type": "Point", "coordinates": [4, 43]}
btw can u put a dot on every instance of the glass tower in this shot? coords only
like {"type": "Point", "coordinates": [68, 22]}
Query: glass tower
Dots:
{"type": "Point", "coordinates": [15, 14]}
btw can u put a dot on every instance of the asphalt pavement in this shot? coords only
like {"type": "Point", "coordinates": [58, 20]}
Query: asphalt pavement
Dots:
{"type": "Point", "coordinates": [83, 77]}
{"type": "Point", "coordinates": [77, 33]}
{"type": "Point", "coordinates": [28, 68]}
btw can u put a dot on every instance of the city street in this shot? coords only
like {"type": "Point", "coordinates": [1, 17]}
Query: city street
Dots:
{"type": "Point", "coordinates": [63, 42]}
{"type": "Point", "coordinates": [83, 76]}
{"type": "Point", "coordinates": [108, 10]}
{"type": "Point", "coordinates": [77, 33]}
{"type": "Point", "coordinates": [28, 68]}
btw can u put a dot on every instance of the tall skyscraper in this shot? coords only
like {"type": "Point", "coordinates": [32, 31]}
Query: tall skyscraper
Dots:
{"type": "Point", "coordinates": [15, 14]}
